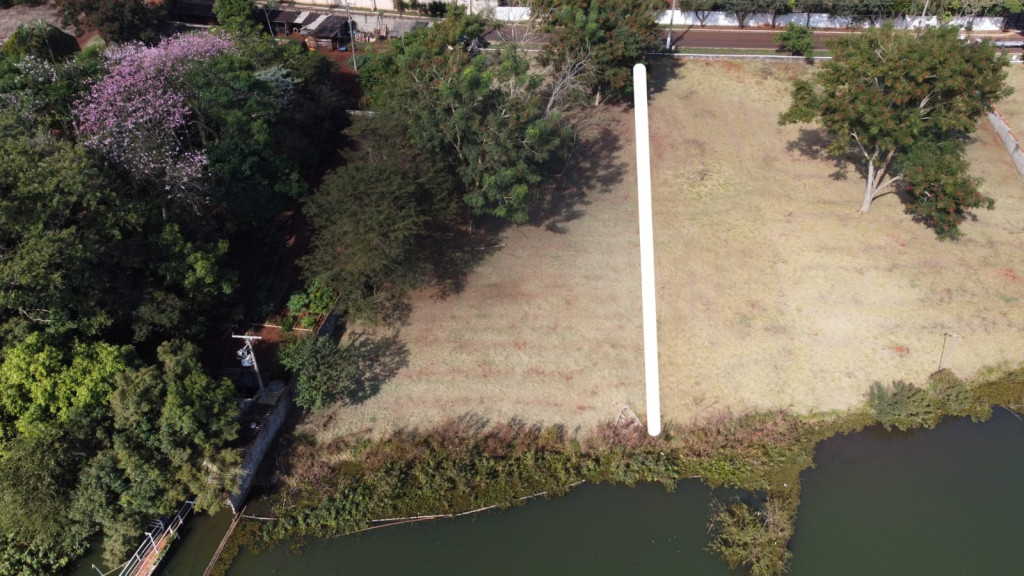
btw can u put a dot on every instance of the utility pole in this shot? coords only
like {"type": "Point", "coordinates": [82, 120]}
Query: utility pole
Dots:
{"type": "Point", "coordinates": [248, 357]}
{"type": "Point", "coordinates": [352, 38]}
{"type": "Point", "coordinates": [671, 21]}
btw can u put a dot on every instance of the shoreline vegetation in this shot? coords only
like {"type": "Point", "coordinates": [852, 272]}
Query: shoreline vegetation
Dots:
{"type": "Point", "coordinates": [468, 465]}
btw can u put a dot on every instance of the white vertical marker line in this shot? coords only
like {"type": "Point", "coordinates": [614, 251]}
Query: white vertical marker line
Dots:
{"type": "Point", "coordinates": [643, 178]}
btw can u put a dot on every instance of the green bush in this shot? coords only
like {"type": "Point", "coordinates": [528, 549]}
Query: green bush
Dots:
{"type": "Point", "coordinates": [297, 303]}
{"type": "Point", "coordinates": [287, 323]}
{"type": "Point", "coordinates": [754, 539]}
{"type": "Point", "coordinates": [1006, 390]}
{"type": "Point", "coordinates": [953, 397]}
{"type": "Point", "coordinates": [326, 372]}
{"type": "Point", "coordinates": [903, 406]}
{"type": "Point", "coordinates": [41, 40]}
{"type": "Point", "coordinates": [797, 40]}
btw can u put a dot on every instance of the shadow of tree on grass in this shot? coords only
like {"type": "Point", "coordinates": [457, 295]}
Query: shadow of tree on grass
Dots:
{"type": "Point", "coordinates": [453, 252]}
{"type": "Point", "coordinates": [813, 143]}
{"type": "Point", "coordinates": [592, 166]}
{"type": "Point", "coordinates": [379, 360]}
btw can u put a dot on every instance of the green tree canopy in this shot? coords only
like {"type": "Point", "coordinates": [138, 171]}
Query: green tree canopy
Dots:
{"type": "Point", "coordinates": [38, 473]}
{"type": "Point", "coordinates": [235, 14]}
{"type": "Point", "coordinates": [171, 426]}
{"type": "Point", "coordinates": [886, 90]}
{"type": "Point", "coordinates": [40, 382]}
{"type": "Point", "coordinates": [612, 33]}
{"type": "Point", "coordinates": [63, 224]}
{"type": "Point", "coordinates": [482, 113]}
{"type": "Point", "coordinates": [116, 20]}
{"type": "Point", "coordinates": [326, 371]}
{"type": "Point", "coordinates": [936, 178]}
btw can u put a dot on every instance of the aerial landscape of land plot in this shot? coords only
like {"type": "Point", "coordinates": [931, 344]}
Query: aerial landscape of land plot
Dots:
{"type": "Point", "coordinates": [773, 292]}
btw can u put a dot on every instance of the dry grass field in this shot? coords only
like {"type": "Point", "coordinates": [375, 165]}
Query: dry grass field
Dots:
{"type": "Point", "coordinates": [772, 291]}
{"type": "Point", "coordinates": [1012, 108]}
{"type": "Point", "coordinates": [548, 327]}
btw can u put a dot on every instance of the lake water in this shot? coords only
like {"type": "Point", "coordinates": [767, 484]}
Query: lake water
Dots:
{"type": "Point", "coordinates": [944, 501]}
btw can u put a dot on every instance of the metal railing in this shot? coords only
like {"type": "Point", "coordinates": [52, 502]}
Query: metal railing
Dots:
{"type": "Point", "coordinates": [148, 555]}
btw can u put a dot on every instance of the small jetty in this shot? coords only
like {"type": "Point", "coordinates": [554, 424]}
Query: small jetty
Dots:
{"type": "Point", "coordinates": [152, 550]}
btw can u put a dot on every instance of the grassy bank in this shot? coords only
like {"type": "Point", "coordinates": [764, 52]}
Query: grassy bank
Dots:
{"type": "Point", "coordinates": [465, 464]}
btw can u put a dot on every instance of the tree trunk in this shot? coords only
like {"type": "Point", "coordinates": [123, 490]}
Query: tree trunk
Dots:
{"type": "Point", "coordinates": [868, 197]}
{"type": "Point", "coordinates": [869, 188]}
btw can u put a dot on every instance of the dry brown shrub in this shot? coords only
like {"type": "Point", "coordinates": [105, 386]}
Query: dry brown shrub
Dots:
{"type": "Point", "coordinates": [455, 434]}
{"type": "Point", "coordinates": [631, 437]}
{"type": "Point", "coordinates": [300, 464]}
{"type": "Point", "coordinates": [512, 437]}
{"type": "Point", "coordinates": [725, 431]}
{"type": "Point", "coordinates": [402, 446]}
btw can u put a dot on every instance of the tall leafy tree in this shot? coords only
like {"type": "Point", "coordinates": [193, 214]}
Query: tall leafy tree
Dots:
{"type": "Point", "coordinates": [171, 425]}
{"type": "Point", "coordinates": [481, 112]}
{"type": "Point", "coordinates": [941, 189]}
{"type": "Point", "coordinates": [40, 382]}
{"type": "Point", "coordinates": [138, 118]}
{"type": "Point", "coordinates": [62, 228]}
{"type": "Point", "coordinates": [115, 20]}
{"type": "Point", "coordinates": [614, 32]}
{"type": "Point", "coordinates": [38, 474]}
{"type": "Point", "coordinates": [886, 90]}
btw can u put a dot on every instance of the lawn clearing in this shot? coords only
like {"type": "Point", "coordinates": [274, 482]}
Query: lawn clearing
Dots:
{"type": "Point", "coordinates": [775, 293]}
{"type": "Point", "coordinates": [772, 291]}
{"type": "Point", "coordinates": [547, 329]}
{"type": "Point", "coordinates": [1012, 107]}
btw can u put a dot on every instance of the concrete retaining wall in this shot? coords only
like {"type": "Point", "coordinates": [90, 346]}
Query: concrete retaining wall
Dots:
{"type": "Point", "coordinates": [259, 449]}
{"type": "Point", "coordinates": [270, 429]}
{"type": "Point", "coordinates": [1009, 140]}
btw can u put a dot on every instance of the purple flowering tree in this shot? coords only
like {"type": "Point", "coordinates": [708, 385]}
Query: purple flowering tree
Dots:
{"type": "Point", "coordinates": [137, 118]}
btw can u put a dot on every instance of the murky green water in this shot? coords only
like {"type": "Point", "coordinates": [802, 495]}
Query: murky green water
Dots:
{"type": "Point", "coordinates": [946, 501]}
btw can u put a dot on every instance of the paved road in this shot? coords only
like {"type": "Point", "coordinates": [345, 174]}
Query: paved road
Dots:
{"type": "Point", "coordinates": [753, 39]}
{"type": "Point", "coordinates": [731, 38]}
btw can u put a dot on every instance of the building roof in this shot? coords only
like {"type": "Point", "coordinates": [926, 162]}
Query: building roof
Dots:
{"type": "Point", "coordinates": [326, 26]}
{"type": "Point", "coordinates": [403, 27]}
{"type": "Point", "coordinates": [283, 16]}
{"type": "Point", "coordinates": [194, 8]}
